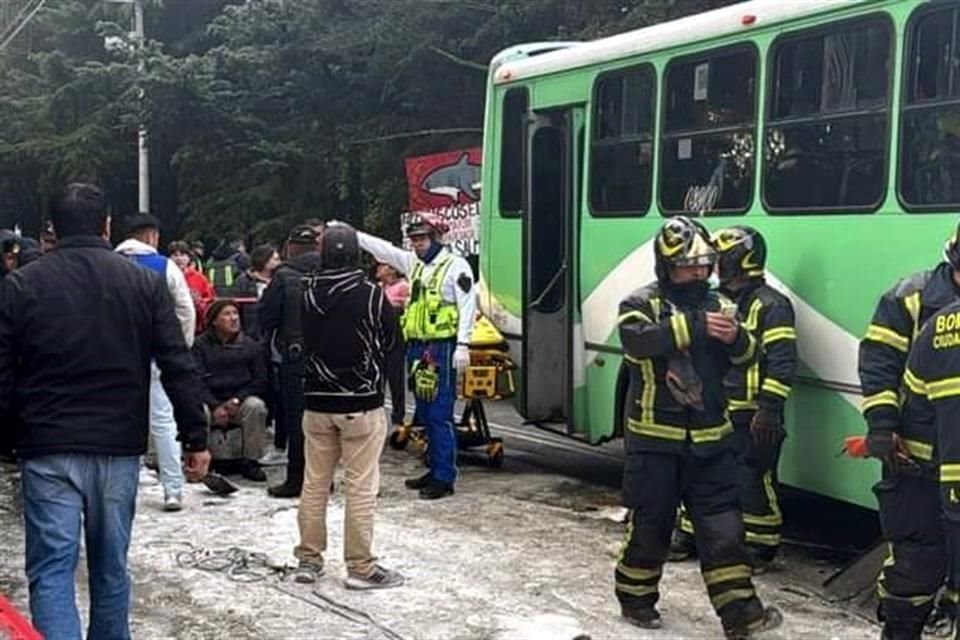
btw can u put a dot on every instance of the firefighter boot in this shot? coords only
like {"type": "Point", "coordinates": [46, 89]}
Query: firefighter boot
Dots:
{"type": "Point", "coordinates": [643, 617]}
{"type": "Point", "coordinates": [901, 620]}
{"type": "Point", "coordinates": [771, 619]}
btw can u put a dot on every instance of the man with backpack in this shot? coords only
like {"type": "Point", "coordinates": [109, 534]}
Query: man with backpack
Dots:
{"type": "Point", "coordinates": [141, 246]}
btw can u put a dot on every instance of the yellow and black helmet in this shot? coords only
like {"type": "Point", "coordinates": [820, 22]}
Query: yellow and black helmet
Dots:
{"type": "Point", "coordinates": [743, 253]}
{"type": "Point", "coordinates": [682, 242]}
{"type": "Point", "coordinates": [951, 251]}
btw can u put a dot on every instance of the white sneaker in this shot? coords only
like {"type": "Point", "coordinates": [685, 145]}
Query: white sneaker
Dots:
{"type": "Point", "coordinates": [172, 502]}
{"type": "Point", "coordinates": [273, 457]}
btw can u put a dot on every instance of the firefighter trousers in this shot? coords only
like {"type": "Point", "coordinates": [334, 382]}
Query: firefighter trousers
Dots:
{"type": "Point", "coordinates": [912, 524]}
{"type": "Point", "coordinates": [654, 485]}
{"type": "Point", "coordinates": [759, 500]}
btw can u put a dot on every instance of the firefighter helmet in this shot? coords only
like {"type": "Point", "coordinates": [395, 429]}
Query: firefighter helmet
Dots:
{"type": "Point", "coordinates": [951, 251]}
{"type": "Point", "coordinates": [743, 252]}
{"type": "Point", "coordinates": [682, 242]}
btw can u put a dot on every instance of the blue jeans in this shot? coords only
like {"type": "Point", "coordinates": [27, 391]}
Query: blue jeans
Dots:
{"type": "Point", "coordinates": [163, 430]}
{"type": "Point", "coordinates": [437, 416]}
{"type": "Point", "coordinates": [58, 492]}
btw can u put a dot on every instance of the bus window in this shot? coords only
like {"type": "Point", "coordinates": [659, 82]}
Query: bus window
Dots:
{"type": "Point", "coordinates": [930, 126]}
{"type": "Point", "coordinates": [826, 138]}
{"type": "Point", "coordinates": [706, 156]}
{"type": "Point", "coordinates": [513, 164]}
{"type": "Point", "coordinates": [621, 151]}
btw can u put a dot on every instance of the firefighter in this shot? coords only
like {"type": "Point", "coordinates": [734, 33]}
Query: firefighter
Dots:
{"type": "Point", "coordinates": [902, 438]}
{"type": "Point", "coordinates": [680, 339]}
{"type": "Point", "coordinates": [437, 325]}
{"type": "Point", "coordinates": [932, 383]}
{"type": "Point", "coordinates": [756, 393]}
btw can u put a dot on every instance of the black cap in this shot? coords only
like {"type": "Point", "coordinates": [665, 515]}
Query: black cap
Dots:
{"type": "Point", "coordinates": [340, 248]}
{"type": "Point", "coordinates": [142, 221]}
{"type": "Point", "coordinates": [303, 234]}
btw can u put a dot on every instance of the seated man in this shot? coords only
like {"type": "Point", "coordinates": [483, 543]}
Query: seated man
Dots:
{"type": "Point", "coordinates": [234, 378]}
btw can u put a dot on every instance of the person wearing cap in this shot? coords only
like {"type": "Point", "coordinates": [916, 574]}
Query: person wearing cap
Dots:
{"type": "Point", "coordinates": [143, 238]}
{"type": "Point", "coordinates": [437, 326]}
{"type": "Point", "coordinates": [9, 252]}
{"type": "Point", "coordinates": [279, 316]}
{"type": "Point", "coordinates": [348, 328]}
{"type": "Point", "coordinates": [78, 332]}
{"type": "Point", "coordinates": [234, 376]}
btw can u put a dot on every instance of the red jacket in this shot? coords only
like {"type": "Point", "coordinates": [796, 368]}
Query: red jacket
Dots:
{"type": "Point", "coordinates": [203, 294]}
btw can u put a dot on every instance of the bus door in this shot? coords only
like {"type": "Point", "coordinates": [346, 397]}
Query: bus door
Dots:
{"type": "Point", "coordinates": [549, 238]}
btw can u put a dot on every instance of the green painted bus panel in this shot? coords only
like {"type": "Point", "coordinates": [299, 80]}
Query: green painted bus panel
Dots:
{"type": "Point", "coordinates": [504, 253]}
{"type": "Point", "coordinates": [600, 383]}
{"type": "Point", "coordinates": [817, 421]}
{"type": "Point", "coordinates": [560, 90]}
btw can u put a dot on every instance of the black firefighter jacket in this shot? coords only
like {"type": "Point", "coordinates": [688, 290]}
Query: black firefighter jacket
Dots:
{"type": "Point", "coordinates": [653, 329]}
{"type": "Point", "coordinates": [77, 332]}
{"type": "Point", "coordinates": [932, 381]}
{"type": "Point", "coordinates": [899, 316]}
{"type": "Point", "coordinates": [766, 382]}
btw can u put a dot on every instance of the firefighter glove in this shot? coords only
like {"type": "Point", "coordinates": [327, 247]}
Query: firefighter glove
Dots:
{"type": "Point", "coordinates": [767, 432]}
{"type": "Point", "coordinates": [683, 381]}
{"type": "Point", "coordinates": [883, 445]}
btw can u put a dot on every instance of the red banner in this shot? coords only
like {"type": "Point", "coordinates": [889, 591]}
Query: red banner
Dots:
{"type": "Point", "coordinates": [444, 179]}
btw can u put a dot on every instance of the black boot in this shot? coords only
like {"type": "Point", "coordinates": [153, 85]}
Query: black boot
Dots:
{"type": "Point", "coordinates": [252, 471]}
{"type": "Point", "coordinates": [285, 490]}
{"type": "Point", "coordinates": [418, 483]}
{"type": "Point", "coordinates": [643, 617]}
{"type": "Point", "coordinates": [771, 619]}
{"type": "Point", "coordinates": [435, 490]}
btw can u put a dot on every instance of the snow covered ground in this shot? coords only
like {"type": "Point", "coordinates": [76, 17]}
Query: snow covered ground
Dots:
{"type": "Point", "coordinates": [516, 554]}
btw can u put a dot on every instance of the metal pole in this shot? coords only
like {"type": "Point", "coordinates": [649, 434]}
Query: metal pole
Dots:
{"type": "Point", "coordinates": [143, 174]}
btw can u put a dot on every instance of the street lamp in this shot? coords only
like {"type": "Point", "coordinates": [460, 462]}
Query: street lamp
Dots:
{"type": "Point", "coordinates": [143, 149]}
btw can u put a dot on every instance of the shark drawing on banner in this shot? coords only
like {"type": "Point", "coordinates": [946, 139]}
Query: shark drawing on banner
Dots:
{"type": "Point", "coordinates": [455, 179]}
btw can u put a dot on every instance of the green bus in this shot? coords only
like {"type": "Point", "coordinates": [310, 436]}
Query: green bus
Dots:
{"type": "Point", "coordinates": [832, 126]}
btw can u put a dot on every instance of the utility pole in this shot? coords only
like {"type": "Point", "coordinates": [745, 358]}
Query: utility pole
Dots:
{"type": "Point", "coordinates": [143, 148]}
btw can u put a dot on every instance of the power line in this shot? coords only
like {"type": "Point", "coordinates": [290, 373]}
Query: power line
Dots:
{"type": "Point", "coordinates": [17, 28]}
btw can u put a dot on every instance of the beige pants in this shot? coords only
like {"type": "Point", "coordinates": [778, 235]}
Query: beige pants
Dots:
{"type": "Point", "coordinates": [243, 440]}
{"type": "Point", "coordinates": [356, 441]}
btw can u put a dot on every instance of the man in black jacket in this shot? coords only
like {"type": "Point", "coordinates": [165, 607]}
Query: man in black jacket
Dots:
{"type": "Point", "coordinates": [77, 332]}
{"type": "Point", "coordinates": [348, 328]}
{"type": "Point", "coordinates": [234, 376]}
{"type": "Point", "coordinates": [279, 313]}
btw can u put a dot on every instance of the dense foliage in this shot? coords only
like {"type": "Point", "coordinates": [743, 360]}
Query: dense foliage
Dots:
{"type": "Point", "coordinates": [263, 112]}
